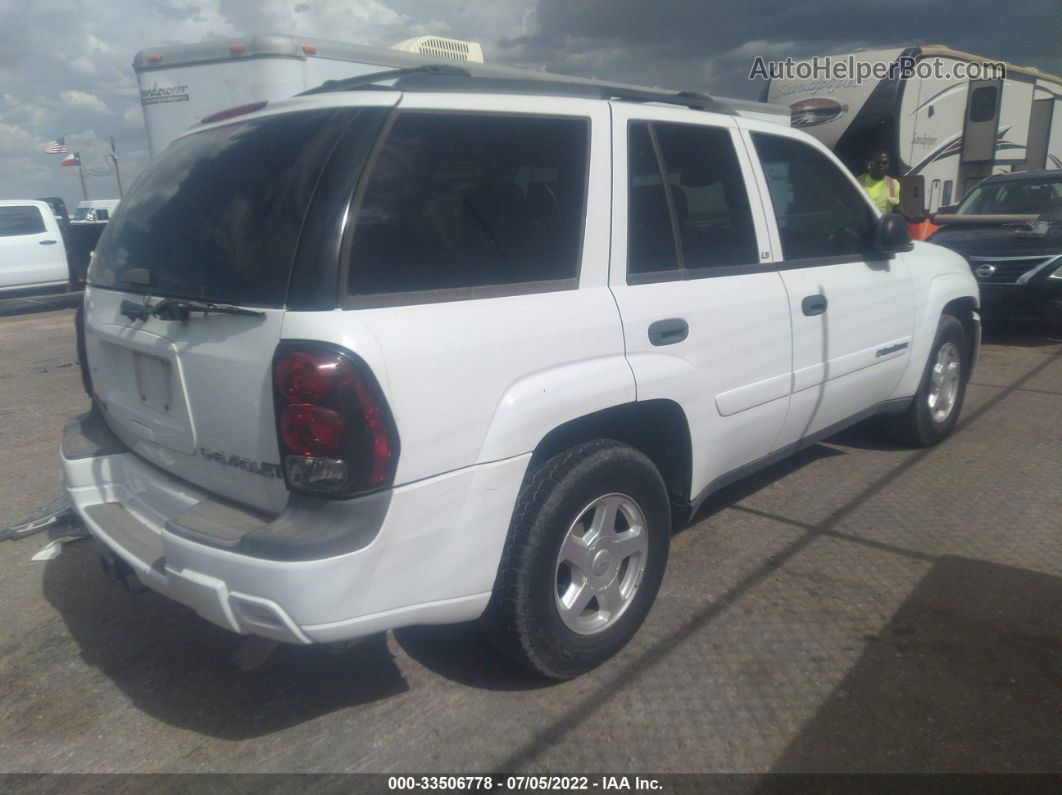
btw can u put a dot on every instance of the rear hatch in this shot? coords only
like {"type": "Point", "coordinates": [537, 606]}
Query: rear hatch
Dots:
{"type": "Point", "coordinates": [216, 219]}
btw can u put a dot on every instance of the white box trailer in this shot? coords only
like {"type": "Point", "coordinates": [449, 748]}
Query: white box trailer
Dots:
{"type": "Point", "coordinates": [181, 84]}
{"type": "Point", "coordinates": [953, 131]}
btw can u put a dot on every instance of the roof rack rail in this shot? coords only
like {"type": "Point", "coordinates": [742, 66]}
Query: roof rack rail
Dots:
{"type": "Point", "coordinates": [371, 79]}
{"type": "Point", "coordinates": [441, 77]}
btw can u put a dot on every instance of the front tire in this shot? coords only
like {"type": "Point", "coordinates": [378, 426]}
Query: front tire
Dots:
{"type": "Point", "coordinates": [584, 559]}
{"type": "Point", "coordinates": [932, 416]}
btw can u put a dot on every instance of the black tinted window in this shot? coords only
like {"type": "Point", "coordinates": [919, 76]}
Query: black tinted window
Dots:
{"type": "Point", "coordinates": [20, 220]}
{"type": "Point", "coordinates": [650, 237]}
{"type": "Point", "coordinates": [217, 215]}
{"type": "Point", "coordinates": [471, 200]}
{"type": "Point", "coordinates": [983, 103]}
{"type": "Point", "coordinates": [820, 213]}
{"type": "Point", "coordinates": [711, 203]}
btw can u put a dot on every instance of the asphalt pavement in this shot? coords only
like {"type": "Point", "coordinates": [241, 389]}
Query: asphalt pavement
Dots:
{"type": "Point", "coordinates": [858, 608]}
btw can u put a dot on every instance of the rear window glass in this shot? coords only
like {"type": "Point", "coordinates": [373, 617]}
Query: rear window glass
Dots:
{"type": "Point", "coordinates": [217, 215]}
{"type": "Point", "coordinates": [471, 200]}
{"type": "Point", "coordinates": [20, 220]}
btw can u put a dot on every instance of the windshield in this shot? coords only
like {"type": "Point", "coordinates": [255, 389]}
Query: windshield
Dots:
{"type": "Point", "coordinates": [1018, 197]}
{"type": "Point", "coordinates": [82, 213]}
{"type": "Point", "coordinates": [217, 215]}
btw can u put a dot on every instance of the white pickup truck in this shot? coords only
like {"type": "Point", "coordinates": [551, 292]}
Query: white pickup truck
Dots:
{"type": "Point", "coordinates": [32, 251]}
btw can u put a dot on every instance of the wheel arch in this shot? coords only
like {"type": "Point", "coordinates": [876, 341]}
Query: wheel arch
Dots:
{"type": "Point", "coordinates": [657, 428]}
{"type": "Point", "coordinates": [946, 294]}
{"type": "Point", "coordinates": [965, 310]}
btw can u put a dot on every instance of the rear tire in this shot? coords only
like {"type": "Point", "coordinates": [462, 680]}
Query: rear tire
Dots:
{"type": "Point", "coordinates": [932, 416]}
{"type": "Point", "coordinates": [583, 561]}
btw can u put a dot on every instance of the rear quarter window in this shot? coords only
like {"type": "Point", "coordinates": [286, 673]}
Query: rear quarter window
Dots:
{"type": "Point", "coordinates": [467, 201]}
{"type": "Point", "coordinates": [19, 220]}
{"type": "Point", "coordinates": [217, 216]}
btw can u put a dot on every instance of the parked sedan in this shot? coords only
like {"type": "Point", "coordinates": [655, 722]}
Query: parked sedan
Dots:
{"type": "Point", "coordinates": [1009, 228]}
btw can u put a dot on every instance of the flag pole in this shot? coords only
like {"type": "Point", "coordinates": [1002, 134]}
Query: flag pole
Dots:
{"type": "Point", "coordinates": [81, 173]}
{"type": "Point", "coordinates": [117, 173]}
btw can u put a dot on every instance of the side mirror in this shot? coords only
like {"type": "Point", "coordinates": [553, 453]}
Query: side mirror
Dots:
{"type": "Point", "coordinates": [891, 235]}
{"type": "Point", "coordinates": [947, 209]}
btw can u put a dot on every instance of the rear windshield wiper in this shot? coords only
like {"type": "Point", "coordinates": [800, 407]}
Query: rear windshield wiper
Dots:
{"type": "Point", "coordinates": [180, 309]}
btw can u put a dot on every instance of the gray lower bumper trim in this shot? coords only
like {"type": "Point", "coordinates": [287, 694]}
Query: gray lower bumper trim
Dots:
{"type": "Point", "coordinates": [309, 528]}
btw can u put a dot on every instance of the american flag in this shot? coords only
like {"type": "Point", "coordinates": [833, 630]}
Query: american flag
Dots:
{"type": "Point", "coordinates": [57, 147]}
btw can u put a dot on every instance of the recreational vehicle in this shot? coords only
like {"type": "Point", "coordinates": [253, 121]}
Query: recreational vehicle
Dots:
{"type": "Point", "coordinates": [182, 84]}
{"type": "Point", "coordinates": [930, 116]}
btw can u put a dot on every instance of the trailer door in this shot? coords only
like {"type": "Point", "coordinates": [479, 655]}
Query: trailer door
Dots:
{"type": "Point", "coordinates": [1039, 127]}
{"type": "Point", "coordinates": [979, 132]}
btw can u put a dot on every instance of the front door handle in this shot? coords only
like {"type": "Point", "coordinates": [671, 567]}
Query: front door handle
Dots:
{"type": "Point", "coordinates": [814, 305]}
{"type": "Point", "coordinates": [669, 331]}
{"type": "Point", "coordinates": [47, 242]}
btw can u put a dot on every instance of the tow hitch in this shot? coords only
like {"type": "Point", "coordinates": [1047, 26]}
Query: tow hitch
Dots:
{"type": "Point", "coordinates": [117, 570]}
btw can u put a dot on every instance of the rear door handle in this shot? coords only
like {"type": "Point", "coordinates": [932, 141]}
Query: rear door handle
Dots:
{"type": "Point", "coordinates": [47, 242]}
{"type": "Point", "coordinates": [814, 305]}
{"type": "Point", "coordinates": [669, 331]}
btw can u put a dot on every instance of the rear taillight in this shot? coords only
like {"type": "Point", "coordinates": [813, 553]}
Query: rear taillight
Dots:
{"type": "Point", "coordinates": [336, 433]}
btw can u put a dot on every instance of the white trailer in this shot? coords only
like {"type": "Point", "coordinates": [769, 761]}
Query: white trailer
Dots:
{"type": "Point", "coordinates": [181, 84]}
{"type": "Point", "coordinates": [953, 131]}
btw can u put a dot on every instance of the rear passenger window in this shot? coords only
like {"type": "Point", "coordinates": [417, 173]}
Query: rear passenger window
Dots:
{"type": "Point", "coordinates": [711, 203]}
{"type": "Point", "coordinates": [703, 221]}
{"type": "Point", "coordinates": [20, 220]}
{"type": "Point", "coordinates": [820, 213]}
{"type": "Point", "coordinates": [471, 200]}
{"type": "Point", "coordinates": [650, 237]}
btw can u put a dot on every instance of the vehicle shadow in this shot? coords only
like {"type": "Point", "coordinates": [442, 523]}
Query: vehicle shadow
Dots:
{"type": "Point", "coordinates": [747, 486]}
{"type": "Point", "coordinates": [30, 303]}
{"type": "Point", "coordinates": [966, 677]}
{"type": "Point", "coordinates": [175, 666]}
{"type": "Point", "coordinates": [1020, 333]}
{"type": "Point", "coordinates": [462, 653]}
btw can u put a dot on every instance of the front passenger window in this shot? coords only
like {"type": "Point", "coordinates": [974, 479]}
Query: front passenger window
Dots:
{"type": "Point", "coordinates": [820, 213]}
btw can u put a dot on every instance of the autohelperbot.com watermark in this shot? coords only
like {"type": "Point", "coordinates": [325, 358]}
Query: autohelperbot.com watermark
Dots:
{"type": "Point", "coordinates": [851, 70]}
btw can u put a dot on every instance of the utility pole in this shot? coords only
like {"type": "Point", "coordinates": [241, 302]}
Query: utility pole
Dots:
{"type": "Point", "coordinates": [81, 173]}
{"type": "Point", "coordinates": [117, 173]}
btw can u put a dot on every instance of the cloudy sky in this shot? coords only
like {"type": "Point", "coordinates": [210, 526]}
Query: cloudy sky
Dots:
{"type": "Point", "coordinates": [65, 65]}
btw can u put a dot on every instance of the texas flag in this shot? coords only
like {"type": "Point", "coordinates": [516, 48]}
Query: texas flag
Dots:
{"type": "Point", "coordinates": [72, 160]}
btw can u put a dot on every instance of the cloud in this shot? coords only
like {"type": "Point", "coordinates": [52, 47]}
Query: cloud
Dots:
{"type": "Point", "coordinates": [66, 65]}
{"type": "Point", "coordinates": [82, 100]}
{"type": "Point", "coordinates": [133, 116]}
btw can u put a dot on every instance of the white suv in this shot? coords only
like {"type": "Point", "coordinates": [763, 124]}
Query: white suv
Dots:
{"type": "Point", "coordinates": [462, 347]}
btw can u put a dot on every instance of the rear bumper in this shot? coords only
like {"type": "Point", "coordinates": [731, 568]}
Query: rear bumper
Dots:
{"type": "Point", "coordinates": [432, 559]}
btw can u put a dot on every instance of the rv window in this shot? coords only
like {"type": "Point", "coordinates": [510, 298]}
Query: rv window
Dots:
{"type": "Point", "coordinates": [20, 220]}
{"type": "Point", "coordinates": [458, 201]}
{"type": "Point", "coordinates": [650, 237]}
{"type": "Point", "coordinates": [945, 199]}
{"type": "Point", "coordinates": [983, 103]}
{"type": "Point", "coordinates": [711, 204]}
{"type": "Point", "coordinates": [820, 213]}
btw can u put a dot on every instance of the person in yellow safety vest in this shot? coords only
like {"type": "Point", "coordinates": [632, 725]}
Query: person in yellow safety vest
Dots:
{"type": "Point", "coordinates": [883, 190]}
